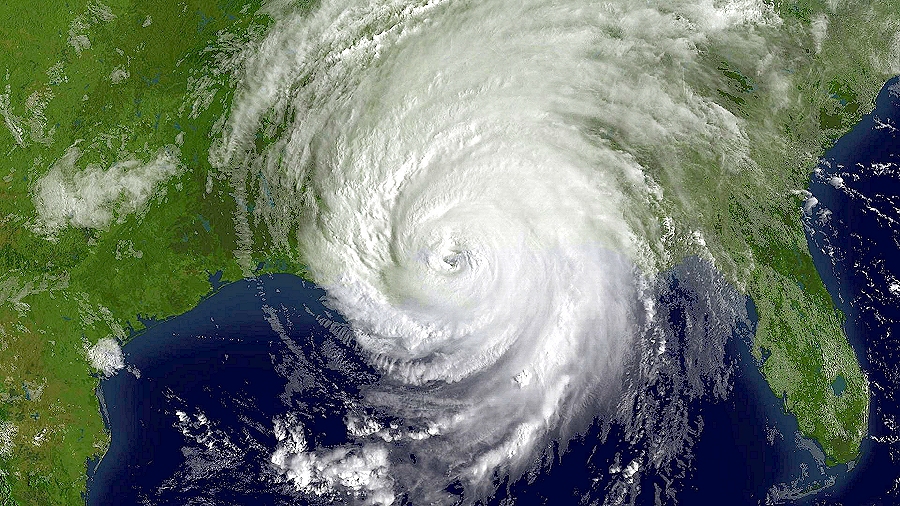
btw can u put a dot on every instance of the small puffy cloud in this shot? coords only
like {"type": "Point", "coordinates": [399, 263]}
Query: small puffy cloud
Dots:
{"type": "Point", "coordinates": [119, 75]}
{"type": "Point", "coordinates": [106, 356]}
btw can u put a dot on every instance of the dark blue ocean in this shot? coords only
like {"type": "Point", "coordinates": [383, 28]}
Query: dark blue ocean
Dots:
{"type": "Point", "coordinates": [191, 419]}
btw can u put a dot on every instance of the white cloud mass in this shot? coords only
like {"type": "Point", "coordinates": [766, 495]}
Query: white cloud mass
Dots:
{"type": "Point", "coordinates": [476, 186]}
{"type": "Point", "coordinates": [94, 196]}
{"type": "Point", "coordinates": [106, 356]}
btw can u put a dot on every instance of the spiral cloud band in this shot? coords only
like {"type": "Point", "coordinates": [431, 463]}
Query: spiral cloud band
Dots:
{"type": "Point", "coordinates": [476, 184]}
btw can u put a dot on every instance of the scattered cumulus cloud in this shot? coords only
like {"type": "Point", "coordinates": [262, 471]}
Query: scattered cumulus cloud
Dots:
{"type": "Point", "coordinates": [78, 30]}
{"type": "Point", "coordinates": [362, 472]}
{"type": "Point", "coordinates": [95, 196]}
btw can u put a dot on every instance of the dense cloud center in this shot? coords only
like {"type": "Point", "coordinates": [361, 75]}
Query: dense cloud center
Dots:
{"type": "Point", "coordinates": [480, 215]}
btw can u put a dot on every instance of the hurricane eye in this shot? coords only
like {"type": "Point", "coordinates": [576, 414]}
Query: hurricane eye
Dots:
{"type": "Point", "coordinates": [453, 261]}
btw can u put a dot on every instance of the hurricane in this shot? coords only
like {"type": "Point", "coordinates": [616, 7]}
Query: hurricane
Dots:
{"type": "Point", "coordinates": [480, 187]}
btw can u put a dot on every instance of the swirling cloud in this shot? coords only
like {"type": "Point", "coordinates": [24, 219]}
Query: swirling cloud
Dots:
{"type": "Point", "coordinates": [476, 184]}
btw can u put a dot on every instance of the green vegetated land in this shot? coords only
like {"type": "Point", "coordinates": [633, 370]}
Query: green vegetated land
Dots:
{"type": "Point", "coordinates": [115, 80]}
{"type": "Point", "coordinates": [800, 338]}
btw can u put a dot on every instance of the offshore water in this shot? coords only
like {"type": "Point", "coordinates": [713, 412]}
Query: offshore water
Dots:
{"type": "Point", "coordinates": [191, 419]}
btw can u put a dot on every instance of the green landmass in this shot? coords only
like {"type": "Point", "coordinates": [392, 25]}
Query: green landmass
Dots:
{"type": "Point", "coordinates": [122, 80]}
{"type": "Point", "coordinates": [59, 296]}
{"type": "Point", "coordinates": [757, 217]}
